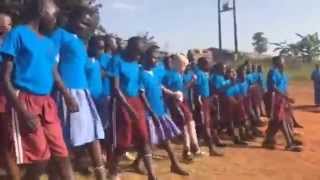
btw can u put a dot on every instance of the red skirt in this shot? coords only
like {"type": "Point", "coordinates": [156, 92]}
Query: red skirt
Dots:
{"type": "Point", "coordinates": [129, 131]}
{"type": "Point", "coordinates": [234, 111]}
{"type": "Point", "coordinates": [47, 140]}
{"type": "Point", "coordinates": [180, 111]}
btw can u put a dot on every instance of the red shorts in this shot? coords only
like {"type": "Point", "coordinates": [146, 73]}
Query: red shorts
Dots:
{"type": "Point", "coordinates": [129, 131]}
{"type": "Point", "coordinates": [47, 140]}
{"type": "Point", "coordinates": [234, 111]}
{"type": "Point", "coordinates": [255, 94]}
{"type": "Point", "coordinates": [207, 111]}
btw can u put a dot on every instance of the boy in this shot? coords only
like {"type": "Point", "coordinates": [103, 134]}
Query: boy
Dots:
{"type": "Point", "coordinates": [29, 74]}
{"type": "Point", "coordinates": [202, 91]}
{"type": "Point", "coordinates": [277, 82]}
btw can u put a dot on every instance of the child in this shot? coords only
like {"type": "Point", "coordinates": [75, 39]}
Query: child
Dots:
{"type": "Point", "coordinates": [315, 77]}
{"type": "Point", "coordinates": [162, 129]}
{"type": "Point", "coordinates": [204, 101]}
{"type": "Point", "coordinates": [83, 128]}
{"type": "Point", "coordinates": [131, 127]}
{"type": "Point", "coordinates": [277, 91]}
{"type": "Point", "coordinates": [262, 85]}
{"type": "Point", "coordinates": [177, 81]}
{"type": "Point", "coordinates": [11, 168]}
{"type": "Point", "coordinates": [29, 74]}
{"type": "Point", "coordinates": [234, 108]}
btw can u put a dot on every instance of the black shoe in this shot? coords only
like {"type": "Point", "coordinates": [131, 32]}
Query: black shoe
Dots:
{"type": "Point", "coordinates": [268, 145]}
{"type": "Point", "coordinates": [297, 142]}
{"type": "Point", "coordinates": [240, 142]}
{"type": "Point", "coordinates": [220, 144]}
{"type": "Point", "coordinates": [293, 148]}
{"type": "Point", "coordinates": [187, 156]}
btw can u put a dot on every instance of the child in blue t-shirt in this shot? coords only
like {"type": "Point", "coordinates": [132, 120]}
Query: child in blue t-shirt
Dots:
{"type": "Point", "coordinates": [29, 68]}
{"type": "Point", "coordinates": [83, 128]}
{"type": "Point", "coordinates": [131, 126]}
{"type": "Point", "coordinates": [161, 127]}
{"type": "Point", "coordinates": [202, 91]}
{"type": "Point", "coordinates": [178, 81]}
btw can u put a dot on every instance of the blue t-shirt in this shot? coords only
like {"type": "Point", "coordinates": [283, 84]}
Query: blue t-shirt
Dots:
{"type": "Point", "coordinates": [94, 78]}
{"type": "Point", "coordinates": [173, 80]}
{"type": "Point", "coordinates": [261, 80]}
{"type": "Point", "coordinates": [202, 83]}
{"type": "Point", "coordinates": [315, 77]}
{"type": "Point", "coordinates": [218, 83]}
{"type": "Point", "coordinates": [250, 78]}
{"type": "Point", "coordinates": [105, 63]}
{"type": "Point", "coordinates": [34, 58]}
{"type": "Point", "coordinates": [233, 90]}
{"type": "Point", "coordinates": [244, 87]}
{"type": "Point", "coordinates": [73, 58]}
{"type": "Point", "coordinates": [129, 73]}
{"type": "Point", "coordinates": [160, 70]}
{"type": "Point", "coordinates": [153, 90]}
{"type": "Point", "coordinates": [277, 79]}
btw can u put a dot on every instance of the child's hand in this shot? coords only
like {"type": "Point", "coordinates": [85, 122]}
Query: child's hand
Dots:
{"type": "Point", "coordinates": [30, 121]}
{"type": "Point", "coordinates": [194, 78]}
{"type": "Point", "coordinates": [71, 104]}
{"type": "Point", "coordinates": [179, 96]}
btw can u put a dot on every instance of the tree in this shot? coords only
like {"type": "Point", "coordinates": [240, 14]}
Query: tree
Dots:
{"type": "Point", "coordinates": [308, 47]}
{"type": "Point", "coordinates": [260, 43]}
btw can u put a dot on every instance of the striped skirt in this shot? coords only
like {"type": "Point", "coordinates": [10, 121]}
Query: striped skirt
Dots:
{"type": "Point", "coordinates": [165, 130]}
{"type": "Point", "coordinates": [82, 127]}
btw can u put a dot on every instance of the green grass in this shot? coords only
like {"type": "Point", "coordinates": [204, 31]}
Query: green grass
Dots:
{"type": "Point", "coordinates": [297, 71]}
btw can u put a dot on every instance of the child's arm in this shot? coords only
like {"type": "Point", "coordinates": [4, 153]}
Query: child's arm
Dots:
{"type": "Point", "coordinates": [170, 93]}
{"type": "Point", "coordinates": [10, 91]}
{"type": "Point", "coordinates": [147, 105]}
{"type": "Point", "coordinates": [122, 99]}
{"type": "Point", "coordinates": [71, 104]}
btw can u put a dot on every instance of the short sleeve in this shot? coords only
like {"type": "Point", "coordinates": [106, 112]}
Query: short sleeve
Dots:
{"type": "Point", "coordinates": [114, 67]}
{"type": "Point", "coordinates": [11, 43]}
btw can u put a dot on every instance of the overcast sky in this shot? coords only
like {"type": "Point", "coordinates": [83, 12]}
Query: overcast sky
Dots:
{"type": "Point", "coordinates": [182, 24]}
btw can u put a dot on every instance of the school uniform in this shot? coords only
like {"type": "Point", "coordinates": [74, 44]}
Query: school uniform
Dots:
{"type": "Point", "coordinates": [245, 100]}
{"type": "Point", "coordinates": [129, 131]}
{"type": "Point", "coordinates": [3, 99]}
{"type": "Point", "coordinates": [203, 91]}
{"type": "Point", "coordinates": [34, 59]}
{"type": "Point", "coordinates": [278, 105]}
{"type": "Point", "coordinates": [234, 112]}
{"type": "Point", "coordinates": [84, 126]}
{"type": "Point", "coordinates": [255, 91]}
{"type": "Point", "coordinates": [180, 110]}
{"type": "Point", "coordinates": [315, 77]}
{"type": "Point", "coordinates": [166, 128]}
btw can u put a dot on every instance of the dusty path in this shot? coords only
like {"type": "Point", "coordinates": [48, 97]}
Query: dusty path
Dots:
{"type": "Point", "coordinates": [255, 163]}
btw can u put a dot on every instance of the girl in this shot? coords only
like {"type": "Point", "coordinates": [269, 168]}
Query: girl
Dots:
{"type": "Point", "coordinates": [162, 129]}
{"type": "Point", "coordinates": [29, 73]}
{"type": "Point", "coordinates": [177, 81]}
{"type": "Point", "coordinates": [204, 101]}
{"type": "Point", "coordinates": [131, 125]}
{"type": "Point", "coordinates": [83, 128]}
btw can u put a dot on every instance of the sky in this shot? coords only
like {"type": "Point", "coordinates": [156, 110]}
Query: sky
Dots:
{"type": "Point", "coordinates": [179, 25]}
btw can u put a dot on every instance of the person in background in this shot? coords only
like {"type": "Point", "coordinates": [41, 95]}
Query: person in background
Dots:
{"type": "Point", "coordinates": [29, 74]}
{"type": "Point", "coordinates": [315, 77]}
{"type": "Point", "coordinates": [262, 85]}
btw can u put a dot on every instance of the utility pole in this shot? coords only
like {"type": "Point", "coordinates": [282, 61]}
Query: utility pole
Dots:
{"type": "Point", "coordinates": [219, 25]}
{"type": "Point", "coordinates": [226, 8]}
{"type": "Point", "coordinates": [235, 27]}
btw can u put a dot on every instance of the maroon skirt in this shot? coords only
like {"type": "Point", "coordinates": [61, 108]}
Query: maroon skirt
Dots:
{"type": "Point", "coordinates": [256, 95]}
{"type": "Point", "coordinates": [131, 132]}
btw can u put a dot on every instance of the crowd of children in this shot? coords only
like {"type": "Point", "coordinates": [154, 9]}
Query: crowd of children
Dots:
{"type": "Point", "coordinates": [66, 94]}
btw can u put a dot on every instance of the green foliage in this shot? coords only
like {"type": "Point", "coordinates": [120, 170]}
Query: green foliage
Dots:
{"type": "Point", "coordinates": [260, 43]}
{"type": "Point", "coordinates": [308, 47]}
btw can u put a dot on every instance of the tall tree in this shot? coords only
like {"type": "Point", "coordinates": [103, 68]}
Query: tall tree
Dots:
{"type": "Point", "coordinates": [260, 43]}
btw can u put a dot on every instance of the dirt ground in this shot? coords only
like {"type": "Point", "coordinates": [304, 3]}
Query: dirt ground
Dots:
{"type": "Point", "coordinates": [255, 163]}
